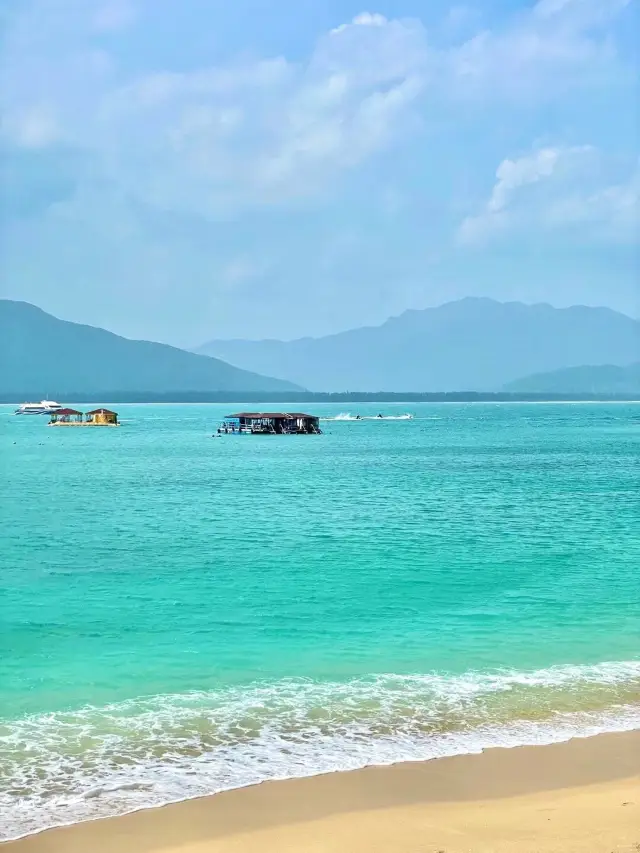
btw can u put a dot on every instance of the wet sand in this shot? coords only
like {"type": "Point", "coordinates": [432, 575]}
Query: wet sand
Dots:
{"type": "Point", "coordinates": [577, 797]}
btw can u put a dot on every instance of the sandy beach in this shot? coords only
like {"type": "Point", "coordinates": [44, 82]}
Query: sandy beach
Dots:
{"type": "Point", "coordinates": [577, 797]}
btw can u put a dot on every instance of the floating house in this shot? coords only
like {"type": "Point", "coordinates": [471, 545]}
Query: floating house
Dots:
{"type": "Point", "coordinates": [270, 423]}
{"type": "Point", "coordinates": [72, 417]}
{"type": "Point", "coordinates": [102, 417]}
{"type": "Point", "coordinates": [65, 416]}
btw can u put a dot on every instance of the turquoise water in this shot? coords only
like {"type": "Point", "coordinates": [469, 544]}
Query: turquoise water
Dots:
{"type": "Point", "coordinates": [183, 614]}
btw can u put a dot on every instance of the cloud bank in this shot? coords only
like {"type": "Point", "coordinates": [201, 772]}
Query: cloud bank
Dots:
{"type": "Point", "coordinates": [361, 164]}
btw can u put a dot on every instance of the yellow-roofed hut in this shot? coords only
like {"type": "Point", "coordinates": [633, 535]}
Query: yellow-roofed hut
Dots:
{"type": "Point", "coordinates": [102, 417]}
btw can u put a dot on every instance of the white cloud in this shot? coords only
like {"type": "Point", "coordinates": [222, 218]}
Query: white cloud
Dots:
{"type": "Point", "coordinates": [235, 272]}
{"type": "Point", "coordinates": [540, 53]}
{"type": "Point", "coordinates": [214, 140]}
{"type": "Point", "coordinates": [555, 188]}
{"type": "Point", "coordinates": [367, 19]}
{"type": "Point", "coordinates": [512, 174]}
{"type": "Point", "coordinates": [612, 211]}
{"type": "Point", "coordinates": [219, 138]}
{"type": "Point", "coordinates": [34, 127]}
{"type": "Point", "coordinates": [364, 19]}
{"type": "Point", "coordinates": [114, 15]}
{"type": "Point", "coordinates": [156, 134]}
{"type": "Point", "coordinates": [271, 131]}
{"type": "Point", "coordinates": [299, 126]}
{"type": "Point", "coordinates": [587, 12]}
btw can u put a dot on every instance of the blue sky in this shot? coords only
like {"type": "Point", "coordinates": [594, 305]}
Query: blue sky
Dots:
{"type": "Point", "coordinates": [277, 168]}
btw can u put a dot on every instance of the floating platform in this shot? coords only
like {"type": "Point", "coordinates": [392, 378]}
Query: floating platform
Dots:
{"type": "Point", "coordinates": [270, 423]}
{"type": "Point", "coordinates": [79, 424]}
{"type": "Point", "coordinates": [74, 418]}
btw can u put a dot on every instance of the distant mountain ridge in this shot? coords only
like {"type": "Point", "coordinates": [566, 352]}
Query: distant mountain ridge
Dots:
{"type": "Point", "coordinates": [39, 351]}
{"type": "Point", "coordinates": [475, 344]}
{"type": "Point", "coordinates": [592, 379]}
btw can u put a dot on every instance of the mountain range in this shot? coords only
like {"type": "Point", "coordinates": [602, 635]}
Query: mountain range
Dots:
{"type": "Point", "coordinates": [39, 353]}
{"type": "Point", "coordinates": [596, 379]}
{"type": "Point", "coordinates": [474, 344]}
{"type": "Point", "coordinates": [470, 345]}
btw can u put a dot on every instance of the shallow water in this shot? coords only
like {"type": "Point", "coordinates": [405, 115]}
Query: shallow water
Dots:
{"type": "Point", "coordinates": [183, 613]}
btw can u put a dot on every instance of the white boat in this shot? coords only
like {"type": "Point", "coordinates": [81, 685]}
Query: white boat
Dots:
{"type": "Point", "coordinates": [44, 407]}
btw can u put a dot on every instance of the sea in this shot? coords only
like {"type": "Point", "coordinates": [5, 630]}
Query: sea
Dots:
{"type": "Point", "coordinates": [184, 613]}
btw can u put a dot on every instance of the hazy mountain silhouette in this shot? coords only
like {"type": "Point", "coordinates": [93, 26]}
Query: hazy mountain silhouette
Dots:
{"type": "Point", "coordinates": [40, 352]}
{"type": "Point", "coordinates": [472, 344]}
{"type": "Point", "coordinates": [595, 379]}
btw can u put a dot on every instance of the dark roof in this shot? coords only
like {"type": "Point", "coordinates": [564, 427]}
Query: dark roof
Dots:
{"type": "Point", "coordinates": [102, 412]}
{"type": "Point", "coordinates": [66, 412]}
{"type": "Point", "coordinates": [278, 415]}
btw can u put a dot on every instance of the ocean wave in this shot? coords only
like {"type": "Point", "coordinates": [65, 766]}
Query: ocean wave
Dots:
{"type": "Point", "coordinates": [93, 762]}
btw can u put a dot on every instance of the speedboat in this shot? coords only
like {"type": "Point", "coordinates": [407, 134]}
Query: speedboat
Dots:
{"type": "Point", "coordinates": [44, 407]}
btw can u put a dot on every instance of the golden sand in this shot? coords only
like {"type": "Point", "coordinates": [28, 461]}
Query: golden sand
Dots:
{"type": "Point", "coordinates": [577, 797]}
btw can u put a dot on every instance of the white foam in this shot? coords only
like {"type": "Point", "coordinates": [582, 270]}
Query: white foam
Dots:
{"type": "Point", "coordinates": [347, 416]}
{"type": "Point", "coordinates": [343, 416]}
{"type": "Point", "coordinates": [66, 767]}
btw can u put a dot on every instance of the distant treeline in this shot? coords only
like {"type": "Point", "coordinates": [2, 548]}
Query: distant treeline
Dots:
{"type": "Point", "coordinates": [309, 397]}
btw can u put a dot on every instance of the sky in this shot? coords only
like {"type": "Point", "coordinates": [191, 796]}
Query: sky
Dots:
{"type": "Point", "coordinates": [279, 168]}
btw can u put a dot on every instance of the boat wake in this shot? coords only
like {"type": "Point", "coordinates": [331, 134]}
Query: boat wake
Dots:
{"type": "Point", "coordinates": [347, 416]}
